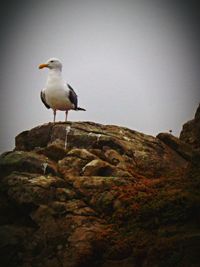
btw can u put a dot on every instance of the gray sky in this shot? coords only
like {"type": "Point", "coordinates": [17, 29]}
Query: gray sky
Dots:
{"type": "Point", "coordinates": [132, 63]}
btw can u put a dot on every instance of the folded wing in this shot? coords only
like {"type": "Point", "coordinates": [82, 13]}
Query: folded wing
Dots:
{"type": "Point", "coordinates": [73, 97]}
{"type": "Point", "coordinates": [42, 96]}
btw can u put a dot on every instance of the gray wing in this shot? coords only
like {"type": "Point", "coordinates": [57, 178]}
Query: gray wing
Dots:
{"type": "Point", "coordinates": [42, 96]}
{"type": "Point", "coordinates": [73, 97]}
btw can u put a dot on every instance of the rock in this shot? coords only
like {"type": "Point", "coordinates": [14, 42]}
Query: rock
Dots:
{"type": "Point", "coordinates": [34, 189]}
{"type": "Point", "coordinates": [11, 240]}
{"type": "Point", "coordinates": [137, 153]}
{"type": "Point", "coordinates": [55, 150]}
{"type": "Point", "coordinates": [75, 161]}
{"type": "Point", "coordinates": [82, 194]}
{"type": "Point", "coordinates": [37, 137]}
{"type": "Point", "coordinates": [98, 167]}
{"type": "Point", "coordinates": [177, 145]}
{"type": "Point", "coordinates": [190, 133]}
{"type": "Point", "coordinates": [113, 157]}
{"type": "Point", "coordinates": [82, 154]}
{"type": "Point", "coordinates": [26, 162]}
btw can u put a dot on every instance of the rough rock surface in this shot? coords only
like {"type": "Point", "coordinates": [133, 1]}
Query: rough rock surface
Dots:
{"type": "Point", "coordinates": [81, 194]}
{"type": "Point", "coordinates": [190, 133]}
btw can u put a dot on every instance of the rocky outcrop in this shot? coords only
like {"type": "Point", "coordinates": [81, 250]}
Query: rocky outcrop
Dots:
{"type": "Point", "coordinates": [190, 133]}
{"type": "Point", "coordinates": [82, 194]}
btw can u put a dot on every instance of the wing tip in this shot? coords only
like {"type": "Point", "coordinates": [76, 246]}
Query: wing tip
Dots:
{"type": "Point", "coordinates": [81, 109]}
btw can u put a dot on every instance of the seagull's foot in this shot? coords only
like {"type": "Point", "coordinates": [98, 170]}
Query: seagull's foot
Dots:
{"type": "Point", "coordinates": [66, 113]}
{"type": "Point", "coordinates": [54, 116]}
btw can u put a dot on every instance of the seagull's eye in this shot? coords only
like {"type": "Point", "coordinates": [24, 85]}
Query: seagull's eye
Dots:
{"type": "Point", "coordinates": [52, 61]}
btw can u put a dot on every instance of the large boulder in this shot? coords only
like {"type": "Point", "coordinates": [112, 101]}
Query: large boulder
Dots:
{"type": "Point", "coordinates": [82, 194]}
{"type": "Point", "coordinates": [190, 133]}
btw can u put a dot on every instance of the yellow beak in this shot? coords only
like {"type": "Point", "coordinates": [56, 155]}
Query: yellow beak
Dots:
{"type": "Point", "coordinates": [41, 66]}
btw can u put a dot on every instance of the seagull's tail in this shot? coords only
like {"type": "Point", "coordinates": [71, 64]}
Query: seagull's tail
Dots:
{"type": "Point", "coordinates": [82, 109]}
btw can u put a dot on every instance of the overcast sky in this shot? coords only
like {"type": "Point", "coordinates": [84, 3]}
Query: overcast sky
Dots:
{"type": "Point", "coordinates": [132, 63]}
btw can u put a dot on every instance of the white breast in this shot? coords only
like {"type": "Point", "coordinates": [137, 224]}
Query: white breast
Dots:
{"type": "Point", "coordinates": [57, 93]}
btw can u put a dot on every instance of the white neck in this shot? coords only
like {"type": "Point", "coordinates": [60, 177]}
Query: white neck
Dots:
{"type": "Point", "coordinates": [54, 78]}
{"type": "Point", "coordinates": [54, 74]}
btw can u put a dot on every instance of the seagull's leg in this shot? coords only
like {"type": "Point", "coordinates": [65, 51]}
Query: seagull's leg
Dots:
{"type": "Point", "coordinates": [54, 115]}
{"type": "Point", "coordinates": [66, 113]}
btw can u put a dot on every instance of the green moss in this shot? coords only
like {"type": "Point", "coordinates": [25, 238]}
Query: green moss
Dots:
{"type": "Point", "coordinates": [12, 158]}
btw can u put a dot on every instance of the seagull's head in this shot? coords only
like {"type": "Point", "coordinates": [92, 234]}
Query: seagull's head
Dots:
{"type": "Point", "coordinates": [52, 63]}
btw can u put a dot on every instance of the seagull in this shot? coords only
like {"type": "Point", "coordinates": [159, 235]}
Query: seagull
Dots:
{"type": "Point", "coordinates": [58, 95]}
